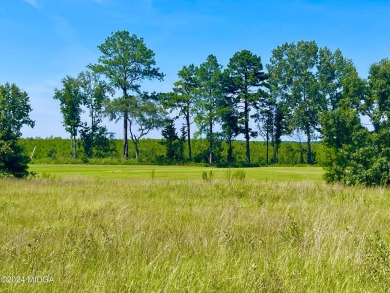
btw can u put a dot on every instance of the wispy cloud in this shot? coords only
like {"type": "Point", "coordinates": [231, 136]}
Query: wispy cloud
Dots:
{"type": "Point", "coordinates": [35, 3]}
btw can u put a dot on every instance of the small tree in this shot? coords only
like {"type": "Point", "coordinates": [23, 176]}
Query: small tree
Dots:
{"type": "Point", "coordinates": [71, 99]}
{"type": "Point", "coordinates": [228, 114]}
{"type": "Point", "coordinates": [278, 130]}
{"type": "Point", "coordinates": [173, 143]}
{"type": "Point", "coordinates": [144, 113]}
{"type": "Point", "coordinates": [14, 113]}
{"type": "Point", "coordinates": [209, 92]}
{"type": "Point", "coordinates": [266, 121]}
{"type": "Point", "coordinates": [95, 98]}
{"type": "Point", "coordinates": [182, 98]}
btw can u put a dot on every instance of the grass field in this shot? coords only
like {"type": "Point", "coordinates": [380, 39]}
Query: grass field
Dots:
{"type": "Point", "coordinates": [87, 229]}
{"type": "Point", "coordinates": [175, 172]}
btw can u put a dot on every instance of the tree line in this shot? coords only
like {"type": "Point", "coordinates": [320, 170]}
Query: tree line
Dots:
{"type": "Point", "coordinates": [223, 103]}
{"type": "Point", "coordinates": [55, 150]}
{"type": "Point", "coordinates": [308, 91]}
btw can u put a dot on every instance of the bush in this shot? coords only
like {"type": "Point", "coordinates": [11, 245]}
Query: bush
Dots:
{"type": "Point", "coordinates": [14, 114]}
{"type": "Point", "coordinates": [13, 161]}
{"type": "Point", "coordinates": [235, 175]}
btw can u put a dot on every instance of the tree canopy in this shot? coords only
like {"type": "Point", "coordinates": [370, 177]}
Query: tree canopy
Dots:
{"type": "Point", "coordinates": [14, 114]}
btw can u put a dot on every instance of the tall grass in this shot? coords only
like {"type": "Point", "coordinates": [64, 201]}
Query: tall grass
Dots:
{"type": "Point", "coordinates": [193, 236]}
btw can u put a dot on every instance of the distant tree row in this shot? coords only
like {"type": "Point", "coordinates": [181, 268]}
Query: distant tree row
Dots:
{"type": "Point", "coordinates": [156, 152]}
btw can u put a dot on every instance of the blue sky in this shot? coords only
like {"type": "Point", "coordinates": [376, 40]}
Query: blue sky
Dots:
{"type": "Point", "coordinates": [45, 40]}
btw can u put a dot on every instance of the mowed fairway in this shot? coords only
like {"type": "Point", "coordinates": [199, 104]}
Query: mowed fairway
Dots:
{"type": "Point", "coordinates": [122, 229]}
{"type": "Point", "coordinates": [175, 172]}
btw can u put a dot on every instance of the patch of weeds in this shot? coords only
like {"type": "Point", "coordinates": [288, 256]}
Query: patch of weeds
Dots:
{"type": "Point", "coordinates": [377, 258]}
{"type": "Point", "coordinates": [33, 174]}
{"type": "Point", "coordinates": [292, 233]}
{"type": "Point", "coordinates": [239, 174]}
{"type": "Point", "coordinates": [236, 175]}
{"type": "Point", "coordinates": [272, 281]}
{"type": "Point", "coordinates": [47, 176]}
{"type": "Point", "coordinates": [207, 176]}
{"type": "Point", "coordinates": [84, 159]}
{"type": "Point", "coordinates": [239, 191]}
{"type": "Point", "coordinates": [228, 174]}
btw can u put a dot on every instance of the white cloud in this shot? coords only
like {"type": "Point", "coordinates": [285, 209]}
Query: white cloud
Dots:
{"type": "Point", "coordinates": [34, 3]}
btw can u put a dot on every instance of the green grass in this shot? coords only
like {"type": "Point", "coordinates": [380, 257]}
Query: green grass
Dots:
{"type": "Point", "coordinates": [175, 172]}
{"type": "Point", "coordinates": [101, 233]}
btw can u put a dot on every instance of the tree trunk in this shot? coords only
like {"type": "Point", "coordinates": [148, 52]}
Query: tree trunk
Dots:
{"type": "Point", "coordinates": [189, 135]}
{"type": "Point", "coordinates": [211, 144]}
{"type": "Point", "coordinates": [230, 151]}
{"type": "Point", "coordinates": [74, 146]}
{"type": "Point", "coordinates": [308, 143]}
{"type": "Point", "coordinates": [125, 119]}
{"type": "Point", "coordinates": [135, 141]}
{"type": "Point", "coordinates": [92, 132]}
{"type": "Point", "coordinates": [301, 160]}
{"type": "Point", "coordinates": [125, 140]}
{"type": "Point", "coordinates": [267, 145]}
{"type": "Point", "coordinates": [136, 146]}
{"type": "Point", "coordinates": [309, 161]}
{"type": "Point", "coordinates": [275, 154]}
{"type": "Point", "coordinates": [247, 137]}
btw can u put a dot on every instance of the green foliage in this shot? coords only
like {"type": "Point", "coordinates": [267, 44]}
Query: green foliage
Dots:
{"type": "Point", "coordinates": [309, 92]}
{"type": "Point", "coordinates": [356, 155]}
{"type": "Point", "coordinates": [14, 110]}
{"type": "Point", "coordinates": [248, 82]}
{"type": "Point", "coordinates": [237, 174]}
{"type": "Point", "coordinates": [144, 113]}
{"type": "Point", "coordinates": [293, 79]}
{"type": "Point", "coordinates": [100, 142]}
{"type": "Point", "coordinates": [14, 113]}
{"type": "Point", "coordinates": [95, 98]}
{"type": "Point", "coordinates": [229, 114]}
{"type": "Point", "coordinates": [378, 101]}
{"type": "Point", "coordinates": [377, 258]}
{"type": "Point", "coordinates": [126, 62]}
{"type": "Point", "coordinates": [71, 99]}
{"type": "Point", "coordinates": [91, 93]}
{"type": "Point", "coordinates": [205, 175]}
{"type": "Point", "coordinates": [208, 93]}
{"type": "Point", "coordinates": [183, 97]}
{"type": "Point", "coordinates": [173, 143]}
{"type": "Point", "coordinates": [55, 150]}
{"type": "Point", "coordinates": [13, 160]}
{"type": "Point", "coordinates": [208, 176]}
